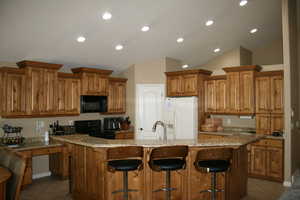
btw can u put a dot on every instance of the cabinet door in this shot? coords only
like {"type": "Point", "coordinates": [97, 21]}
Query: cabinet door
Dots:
{"type": "Point", "coordinates": [233, 86]}
{"type": "Point", "coordinates": [101, 85]}
{"type": "Point", "coordinates": [263, 124]}
{"type": "Point", "coordinates": [258, 160]}
{"type": "Point", "coordinates": [62, 95]}
{"type": "Point", "coordinates": [120, 97]}
{"type": "Point", "coordinates": [111, 106]}
{"type": "Point", "coordinates": [49, 100]}
{"type": "Point", "coordinates": [220, 93]}
{"type": "Point", "coordinates": [190, 85]}
{"type": "Point", "coordinates": [174, 86]}
{"type": "Point", "coordinates": [247, 92]}
{"type": "Point", "coordinates": [277, 123]}
{"type": "Point", "coordinates": [274, 163]}
{"type": "Point", "coordinates": [277, 94]}
{"type": "Point", "coordinates": [263, 97]}
{"type": "Point", "coordinates": [36, 91]}
{"type": "Point", "coordinates": [210, 98]}
{"type": "Point", "coordinates": [14, 94]}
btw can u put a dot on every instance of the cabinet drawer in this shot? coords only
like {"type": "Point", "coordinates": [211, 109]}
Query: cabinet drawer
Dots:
{"type": "Point", "coordinates": [269, 142]}
{"type": "Point", "coordinates": [46, 151]}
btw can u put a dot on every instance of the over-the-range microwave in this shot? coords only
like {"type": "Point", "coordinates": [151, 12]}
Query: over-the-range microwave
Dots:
{"type": "Point", "coordinates": [93, 104]}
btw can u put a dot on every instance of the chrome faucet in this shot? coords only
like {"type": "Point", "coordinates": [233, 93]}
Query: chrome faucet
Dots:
{"type": "Point", "coordinates": [163, 125]}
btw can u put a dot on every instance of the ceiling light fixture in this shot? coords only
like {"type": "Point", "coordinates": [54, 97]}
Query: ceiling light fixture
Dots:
{"type": "Point", "coordinates": [119, 47]}
{"type": "Point", "coordinates": [243, 3]}
{"type": "Point", "coordinates": [209, 23]}
{"type": "Point", "coordinates": [145, 28]}
{"type": "Point", "coordinates": [253, 30]}
{"type": "Point", "coordinates": [80, 39]}
{"type": "Point", "coordinates": [106, 16]}
{"type": "Point", "coordinates": [180, 40]}
{"type": "Point", "coordinates": [185, 66]}
{"type": "Point", "coordinates": [217, 50]}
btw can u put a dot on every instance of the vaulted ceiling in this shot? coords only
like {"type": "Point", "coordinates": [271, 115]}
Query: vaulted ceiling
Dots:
{"type": "Point", "coordinates": [46, 30]}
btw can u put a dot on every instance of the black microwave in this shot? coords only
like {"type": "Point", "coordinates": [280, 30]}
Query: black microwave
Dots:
{"type": "Point", "coordinates": [93, 104]}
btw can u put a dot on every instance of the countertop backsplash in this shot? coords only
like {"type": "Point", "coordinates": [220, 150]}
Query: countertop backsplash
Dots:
{"type": "Point", "coordinates": [236, 121]}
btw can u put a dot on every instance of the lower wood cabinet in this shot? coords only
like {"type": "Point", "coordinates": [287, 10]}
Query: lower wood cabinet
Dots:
{"type": "Point", "coordinates": [266, 159]}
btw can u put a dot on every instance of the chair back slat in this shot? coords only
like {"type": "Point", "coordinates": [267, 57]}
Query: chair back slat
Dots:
{"type": "Point", "coordinates": [169, 152]}
{"type": "Point", "coordinates": [118, 153]}
{"type": "Point", "coordinates": [214, 154]}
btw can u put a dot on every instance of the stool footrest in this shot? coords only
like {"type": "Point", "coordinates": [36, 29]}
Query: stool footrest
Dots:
{"type": "Point", "coordinates": [165, 189]}
{"type": "Point", "coordinates": [118, 191]}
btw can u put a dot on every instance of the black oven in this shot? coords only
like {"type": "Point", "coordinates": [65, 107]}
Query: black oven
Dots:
{"type": "Point", "coordinates": [93, 104]}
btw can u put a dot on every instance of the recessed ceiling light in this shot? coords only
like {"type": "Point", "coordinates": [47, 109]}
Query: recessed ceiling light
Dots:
{"type": "Point", "coordinates": [209, 23]}
{"type": "Point", "coordinates": [145, 28]}
{"type": "Point", "coordinates": [106, 16]}
{"type": "Point", "coordinates": [243, 3]}
{"type": "Point", "coordinates": [180, 40]}
{"type": "Point", "coordinates": [217, 50]}
{"type": "Point", "coordinates": [184, 66]}
{"type": "Point", "coordinates": [119, 47]}
{"type": "Point", "coordinates": [253, 30]}
{"type": "Point", "coordinates": [80, 39]}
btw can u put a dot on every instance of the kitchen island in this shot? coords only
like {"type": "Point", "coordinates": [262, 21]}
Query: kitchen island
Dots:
{"type": "Point", "coordinates": [90, 178]}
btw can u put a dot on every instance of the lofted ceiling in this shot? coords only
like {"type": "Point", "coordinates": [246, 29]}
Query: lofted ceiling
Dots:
{"type": "Point", "coordinates": [47, 30]}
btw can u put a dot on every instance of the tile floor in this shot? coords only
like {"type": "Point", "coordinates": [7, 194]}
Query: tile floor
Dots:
{"type": "Point", "coordinates": [51, 188]}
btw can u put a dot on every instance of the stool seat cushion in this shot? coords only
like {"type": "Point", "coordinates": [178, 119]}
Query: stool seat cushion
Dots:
{"type": "Point", "coordinates": [169, 164]}
{"type": "Point", "coordinates": [214, 165]}
{"type": "Point", "coordinates": [125, 165]}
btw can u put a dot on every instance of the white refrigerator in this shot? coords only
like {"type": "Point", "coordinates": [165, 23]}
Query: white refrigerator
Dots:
{"type": "Point", "coordinates": [181, 116]}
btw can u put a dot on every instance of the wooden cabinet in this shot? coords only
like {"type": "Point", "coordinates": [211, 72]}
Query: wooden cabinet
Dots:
{"type": "Point", "coordinates": [116, 95]}
{"type": "Point", "coordinates": [68, 94]}
{"type": "Point", "coordinates": [266, 124]}
{"type": "Point", "coordinates": [184, 83]}
{"type": "Point", "coordinates": [269, 92]}
{"type": "Point", "coordinates": [240, 89]}
{"type": "Point", "coordinates": [93, 81]}
{"type": "Point", "coordinates": [267, 159]}
{"type": "Point", "coordinates": [12, 92]}
{"type": "Point", "coordinates": [215, 94]}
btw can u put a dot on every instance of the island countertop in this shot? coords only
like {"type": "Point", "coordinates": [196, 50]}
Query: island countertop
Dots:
{"type": "Point", "coordinates": [85, 140]}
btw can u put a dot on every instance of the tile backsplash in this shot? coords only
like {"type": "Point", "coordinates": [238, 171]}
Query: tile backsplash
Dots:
{"type": "Point", "coordinates": [236, 121]}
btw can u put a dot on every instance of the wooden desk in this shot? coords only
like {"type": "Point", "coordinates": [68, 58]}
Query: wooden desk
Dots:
{"type": "Point", "coordinates": [4, 176]}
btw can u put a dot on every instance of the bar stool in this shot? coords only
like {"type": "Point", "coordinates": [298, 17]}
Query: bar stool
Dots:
{"type": "Point", "coordinates": [168, 159]}
{"type": "Point", "coordinates": [124, 159]}
{"type": "Point", "coordinates": [213, 160]}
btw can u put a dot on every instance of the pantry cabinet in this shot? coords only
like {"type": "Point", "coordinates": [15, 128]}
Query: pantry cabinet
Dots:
{"type": "Point", "coordinates": [12, 92]}
{"type": "Point", "coordinates": [93, 81]}
{"type": "Point", "coordinates": [184, 83]}
{"type": "Point", "coordinates": [116, 96]}
{"type": "Point", "coordinates": [68, 94]}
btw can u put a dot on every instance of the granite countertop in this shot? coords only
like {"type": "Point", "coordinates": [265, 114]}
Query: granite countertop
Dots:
{"type": "Point", "coordinates": [236, 133]}
{"type": "Point", "coordinates": [34, 143]}
{"type": "Point", "coordinates": [85, 140]}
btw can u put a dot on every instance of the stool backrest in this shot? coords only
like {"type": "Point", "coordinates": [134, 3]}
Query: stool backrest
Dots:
{"type": "Point", "coordinates": [119, 153]}
{"type": "Point", "coordinates": [16, 165]}
{"type": "Point", "coordinates": [214, 154]}
{"type": "Point", "coordinates": [169, 152]}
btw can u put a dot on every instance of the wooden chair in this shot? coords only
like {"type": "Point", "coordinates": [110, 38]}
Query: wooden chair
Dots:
{"type": "Point", "coordinates": [16, 164]}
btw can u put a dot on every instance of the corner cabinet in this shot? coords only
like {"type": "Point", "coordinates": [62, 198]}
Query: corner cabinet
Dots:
{"type": "Point", "coordinates": [93, 81]}
{"type": "Point", "coordinates": [68, 94]}
{"type": "Point", "coordinates": [12, 92]}
{"type": "Point", "coordinates": [184, 83]}
{"type": "Point", "coordinates": [116, 96]}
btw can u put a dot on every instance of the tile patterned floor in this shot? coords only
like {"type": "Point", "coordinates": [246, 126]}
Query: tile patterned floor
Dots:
{"type": "Point", "coordinates": [54, 189]}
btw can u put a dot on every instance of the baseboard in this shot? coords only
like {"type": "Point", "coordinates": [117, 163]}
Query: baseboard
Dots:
{"type": "Point", "coordinates": [41, 175]}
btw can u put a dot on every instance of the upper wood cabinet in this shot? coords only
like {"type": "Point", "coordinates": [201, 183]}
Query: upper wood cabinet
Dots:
{"type": "Point", "coordinates": [184, 83]}
{"type": "Point", "coordinates": [93, 81]}
{"type": "Point", "coordinates": [12, 92]}
{"type": "Point", "coordinates": [41, 87]}
{"type": "Point", "coordinates": [116, 95]}
{"type": "Point", "coordinates": [215, 94]}
{"type": "Point", "coordinates": [269, 92]}
{"type": "Point", "coordinates": [68, 94]}
{"type": "Point", "coordinates": [240, 89]}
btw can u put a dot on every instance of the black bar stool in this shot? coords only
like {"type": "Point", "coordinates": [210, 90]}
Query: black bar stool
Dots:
{"type": "Point", "coordinates": [213, 160]}
{"type": "Point", "coordinates": [168, 159]}
{"type": "Point", "coordinates": [125, 159]}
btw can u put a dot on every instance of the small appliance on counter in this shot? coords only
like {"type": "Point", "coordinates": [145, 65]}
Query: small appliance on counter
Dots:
{"type": "Point", "coordinates": [12, 135]}
{"type": "Point", "coordinates": [57, 129]}
{"type": "Point", "coordinates": [277, 133]}
{"type": "Point", "coordinates": [212, 125]}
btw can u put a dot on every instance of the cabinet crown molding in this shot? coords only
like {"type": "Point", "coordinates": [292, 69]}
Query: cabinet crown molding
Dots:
{"type": "Point", "coordinates": [12, 70]}
{"type": "Point", "coordinates": [270, 73]}
{"type": "Point", "coordinates": [91, 70]}
{"type": "Point", "coordinates": [117, 79]}
{"type": "Point", "coordinates": [191, 71]}
{"type": "Point", "coordinates": [29, 63]}
{"type": "Point", "coordinates": [243, 68]}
